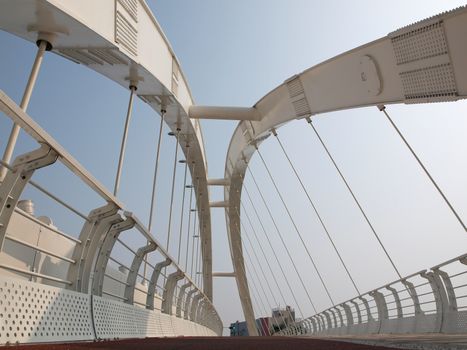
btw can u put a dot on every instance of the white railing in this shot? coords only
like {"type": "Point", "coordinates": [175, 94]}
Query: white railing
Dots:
{"type": "Point", "coordinates": [429, 301]}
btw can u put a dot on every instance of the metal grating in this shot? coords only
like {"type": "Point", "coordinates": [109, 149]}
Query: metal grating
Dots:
{"type": "Point", "coordinates": [82, 56]}
{"type": "Point", "coordinates": [131, 6]}
{"type": "Point", "coordinates": [126, 34]}
{"type": "Point", "coordinates": [417, 44]}
{"type": "Point", "coordinates": [298, 98]}
{"type": "Point", "coordinates": [431, 82]}
{"type": "Point", "coordinates": [175, 76]}
{"type": "Point", "coordinates": [32, 312]}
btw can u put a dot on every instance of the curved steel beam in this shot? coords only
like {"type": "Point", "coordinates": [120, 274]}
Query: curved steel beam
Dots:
{"type": "Point", "coordinates": [129, 47]}
{"type": "Point", "coordinates": [420, 63]}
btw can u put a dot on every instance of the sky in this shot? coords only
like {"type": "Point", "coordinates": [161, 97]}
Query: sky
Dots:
{"type": "Point", "coordinates": [233, 53]}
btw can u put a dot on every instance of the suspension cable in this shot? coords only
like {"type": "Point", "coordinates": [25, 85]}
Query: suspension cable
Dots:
{"type": "Point", "coordinates": [154, 182]}
{"type": "Point", "coordinates": [262, 250]}
{"type": "Point", "coordinates": [308, 119]}
{"type": "Point", "coordinates": [174, 173]}
{"type": "Point", "coordinates": [188, 227]}
{"type": "Point", "coordinates": [260, 284]}
{"type": "Point", "coordinates": [182, 212]}
{"type": "Point", "coordinates": [261, 268]}
{"type": "Point", "coordinates": [274, 132]}
{"type": "Point", "coordinates": [283, 243]}
{"type": "Point", "coordinates": [295, 226]}
{"type": "Point", "coordinates": [383, 109]}
{"type": "Point", "coordinates": [253, 294]}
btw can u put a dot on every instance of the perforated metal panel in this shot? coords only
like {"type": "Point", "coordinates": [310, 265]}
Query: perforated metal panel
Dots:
{"type": "Point", "coordinates": [424, 42]}
{"type": "Point", "coordinates": [114, 319]}
{"type": "Point", "coordinates": [430, 82]}
{"type": "Point", "coordinates": [32, 312]}
{"type": "Point", "coordinates": [98, 56]}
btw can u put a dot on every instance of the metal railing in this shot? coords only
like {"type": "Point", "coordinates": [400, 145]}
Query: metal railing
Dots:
{"type": "Point", "coordinates": [96, 241]}
{"type": "Point", "coordinates": [429, 301]}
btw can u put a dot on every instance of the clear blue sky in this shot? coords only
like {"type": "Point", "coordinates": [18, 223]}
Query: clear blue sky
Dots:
{"type": "Point", "coordinates": [234, 52]}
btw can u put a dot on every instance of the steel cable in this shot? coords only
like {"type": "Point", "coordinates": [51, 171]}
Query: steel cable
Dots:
{"type": "Point", "coordinates": [316, 211]}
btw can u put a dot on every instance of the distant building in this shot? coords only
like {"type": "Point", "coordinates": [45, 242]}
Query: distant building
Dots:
{"type": "Point", "coordinates": [266, 326]}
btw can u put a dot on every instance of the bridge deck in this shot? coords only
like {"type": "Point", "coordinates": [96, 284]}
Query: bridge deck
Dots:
{"type": "Point", "coordinates": [205, 343]}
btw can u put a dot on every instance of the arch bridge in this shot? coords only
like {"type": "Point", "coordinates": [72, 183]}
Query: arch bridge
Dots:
{"type": "Point", "coordinates": [107, 271]}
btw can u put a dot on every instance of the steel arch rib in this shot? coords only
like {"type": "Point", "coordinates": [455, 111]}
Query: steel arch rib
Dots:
{"type": "Point", "coordinates": [89, 33]}
{"type": "Point", "coordinates": [382, 72]}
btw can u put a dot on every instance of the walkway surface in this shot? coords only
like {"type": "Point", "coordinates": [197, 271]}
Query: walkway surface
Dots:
{"type": "Point", "coordinates": [211, 343]}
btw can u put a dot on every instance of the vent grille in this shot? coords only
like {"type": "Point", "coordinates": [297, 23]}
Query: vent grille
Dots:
{"type": "Point", "coordinates": [298, 98]}
{"type": "Point", "coordinates": [295, 87]}
{"type": "Point", "coordinates": [98, 56]}
{"type": "Point", "coordinates": [424, 42]}
{"type": "Point", "coordinates": [126, 34]}
{"type": "Point", "coordinates": [432, 82]}
{"type": "Point", "coordinates": [175, 76]}
{"type": "Point", "coordinates": [131, 6]}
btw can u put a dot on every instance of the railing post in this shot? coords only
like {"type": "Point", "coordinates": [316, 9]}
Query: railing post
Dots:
{"type": "Point", "coordinates": [357, 308]}
{"type": "Point", "coordinates": [133, 274]}
{"type": "Point", "coordinates": [194, 306]}
{"type": "Point", "coordinates": [17, 179]}
{"type": "Point", "coordinates": [169, 289]}
{"type": "Point", "coordinates": [400, 314]}
{"type": "Point", "coordinates": [448, 324]}
{"type": "Point", "coordinates": [181, 294]}
{"type": "Point", "coordinates": [188, 302]}
{"type": "Point", "coordinates": [381, 307]}
{"type": "Point", "coordinates": [348, 316]}
{"type": "Point", "coordinates": [341, 319]}
{"type": "Point", "coordinates": [334, 319]}
{"type": "Point", "coordinates": [418, 313]}
{"type": "Point", "coordinates": [314, 325]}
{"type": "Point", "coordinates": [153, 282]}
{"type": "Point", "coordinates": [105, 251]}
{"type": "Point", "coordinates": [441, 298]}
{"type": "Point", "coordinates": [92, 234]}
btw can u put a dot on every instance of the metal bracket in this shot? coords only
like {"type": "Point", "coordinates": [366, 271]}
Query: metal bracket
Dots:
{"type": "Point", "coordinates": [181, 293]}
{"type": "Point", "coordinates": [441, 298]}
{"type": "Point", "coordinates": [133, 274]}
{"type": "Point", "coordinates": [153, 282]}
{"type": "Point", "coordinates": [194, 306]}
{"type": "Point", "coordinates": [188, 301]}
{"type": "Point", "coordinates": [381, 307]}
{"type": "Point", "coordinates": [105, 251]}
{"type": "Point", "coordinates": [17, 179]}
{"type": "Point", "coordinates": [92, 234]}
{"type": "Point", "coordinates": [168, 295]}
{"type": "Point", "coordinates": [359, 313]}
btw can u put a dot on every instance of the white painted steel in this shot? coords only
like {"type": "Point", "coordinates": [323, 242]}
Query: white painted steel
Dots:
{"type": "Point", "coordinates": [429, 301]}
{"type": "Point", "coordinates": [421, 63]}
{"type": "Point", "coordinates": [126, 44]}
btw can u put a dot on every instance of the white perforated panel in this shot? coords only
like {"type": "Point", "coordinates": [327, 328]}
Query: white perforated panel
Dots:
{"type": "Point", "coordinates": [32, 312]}
{"type": "Point", "coordinates": [431, 82]}
{"type": "Point", "coordinates": [114, 319]}
{"type": "Point", "coordinates": [424, 42]}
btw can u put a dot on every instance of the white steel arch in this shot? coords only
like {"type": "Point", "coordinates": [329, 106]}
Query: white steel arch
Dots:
{"type": "Point", "coordinates": [420, 63]}
{"type": "Point", "coordinates": [122, 40]}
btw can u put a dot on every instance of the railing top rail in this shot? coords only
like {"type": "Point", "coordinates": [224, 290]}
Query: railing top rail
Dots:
{"type": "Point", "coordinates": [14, 112]}
{"type": "Point", "coordinates": [460, 257]}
